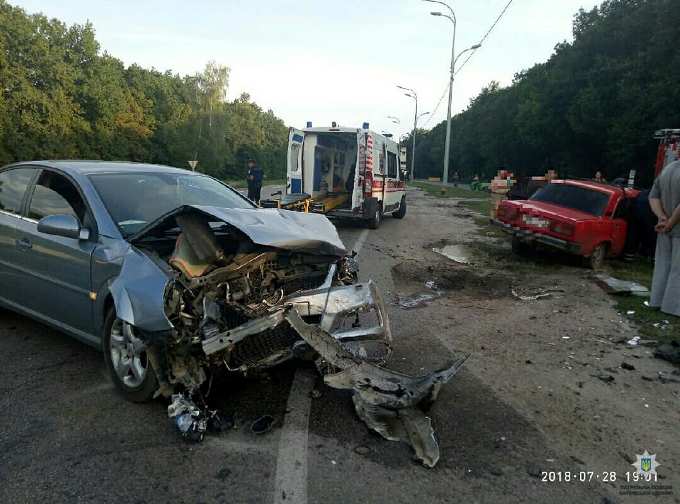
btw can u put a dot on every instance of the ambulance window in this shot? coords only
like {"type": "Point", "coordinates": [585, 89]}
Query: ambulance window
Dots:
{"type": "Point", "coordinates": [391, 165]}
{"type": "Point", "coordinates": [294, 157]}
{"type": "Point", "coordinates": [381, 163]}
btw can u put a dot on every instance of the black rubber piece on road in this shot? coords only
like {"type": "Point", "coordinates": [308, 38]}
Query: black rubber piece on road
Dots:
{"type": "Point", "coordinates": [263, 424]}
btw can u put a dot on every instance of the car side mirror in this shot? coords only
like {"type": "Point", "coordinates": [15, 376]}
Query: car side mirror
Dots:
{"type": "Point", "coordinates": [63, 225]}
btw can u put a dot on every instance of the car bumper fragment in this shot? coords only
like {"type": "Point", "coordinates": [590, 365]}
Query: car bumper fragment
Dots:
{"type": "Point", "coordinates": [387, 401]}
{"type": "Point", "coordinates": [530, 236]}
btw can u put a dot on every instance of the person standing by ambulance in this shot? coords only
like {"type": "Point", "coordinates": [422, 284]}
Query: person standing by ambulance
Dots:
{"type": "Point", "coordinates": [254, 180]}
{"type": "Point", "coordinates": [664, 199]}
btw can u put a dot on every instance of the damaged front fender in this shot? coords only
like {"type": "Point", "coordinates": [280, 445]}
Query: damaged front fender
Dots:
{"type": "Point", "coordinates": [139, 292]}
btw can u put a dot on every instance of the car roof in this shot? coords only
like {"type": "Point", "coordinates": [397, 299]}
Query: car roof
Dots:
{"type": "Point", "coordinates": [88, 167]}
{"type": "Point", "coordinates": [587, 184]}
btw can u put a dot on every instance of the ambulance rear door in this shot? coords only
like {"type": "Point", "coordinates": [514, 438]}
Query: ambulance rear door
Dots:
{"type": "Point", "coordinates": [296, 139]}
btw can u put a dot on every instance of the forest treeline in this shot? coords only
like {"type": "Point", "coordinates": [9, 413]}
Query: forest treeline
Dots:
{"type": "Point", "coordinates": [61, 97]}
{"type": "Point", "coordinates": [594, 105]}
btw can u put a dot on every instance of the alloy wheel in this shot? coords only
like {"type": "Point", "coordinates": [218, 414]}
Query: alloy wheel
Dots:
{"type": "Point", "coordinates": [128, 354]}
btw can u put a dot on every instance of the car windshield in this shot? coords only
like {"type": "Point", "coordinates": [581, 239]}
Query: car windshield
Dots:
{"type": "Point", "coordinates": [136, 199]}
{"type": "Point", "coordinates": [574, 197]}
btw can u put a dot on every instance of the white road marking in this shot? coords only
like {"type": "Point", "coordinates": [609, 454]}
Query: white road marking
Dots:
{"type": "Point", "coordinates": [360, 241]}
{"type": "Point", "coordinates": [291, 463]}
{"type": "Point", "coordinates": [290, 485]}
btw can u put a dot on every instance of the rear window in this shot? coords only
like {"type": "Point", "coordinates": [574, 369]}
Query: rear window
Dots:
{"type": "Point", "coordinates": [13, 185]}
{"type": "Point", "coordinates": [573, 197]}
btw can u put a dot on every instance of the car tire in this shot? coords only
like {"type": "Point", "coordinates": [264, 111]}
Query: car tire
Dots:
{"type": "Point", "coordinates": [597, 258]}
{"type": "Point", "coordinates": [401, 213]}
{"type": "Point", "coordinates": [520, 248]}
{"type": "Point", "coordinates": [130, 368]}
{"type": "Point", "coordinates": [374, 222]}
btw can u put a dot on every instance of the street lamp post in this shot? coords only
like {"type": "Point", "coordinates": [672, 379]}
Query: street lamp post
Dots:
{"type": "Point", "coordinates": [412, 94]}
{"type": "Point", "coordinates": [454, 58]}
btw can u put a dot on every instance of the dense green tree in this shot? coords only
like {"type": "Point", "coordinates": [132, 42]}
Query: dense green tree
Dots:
{"type": "Point", "coordinates": [60, 97]}
{"type": "Point", "coordinates": [593, 105]}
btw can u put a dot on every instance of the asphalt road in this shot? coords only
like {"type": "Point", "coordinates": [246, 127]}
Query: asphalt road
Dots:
{"type": "Point", "coordinates": [67, 436]}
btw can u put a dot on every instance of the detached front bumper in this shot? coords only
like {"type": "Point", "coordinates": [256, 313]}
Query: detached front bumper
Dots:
{"type": "Point", "coordinates": [531, 237]}
{"type": "Point", "coordinates": [360, 306]}
{"type": "Point", "coordinates": [351, 358]}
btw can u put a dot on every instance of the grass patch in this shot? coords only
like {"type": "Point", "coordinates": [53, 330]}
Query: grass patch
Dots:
{"type": "Point", "coordinates": [645, 318]}
{"type": "Point", "coordinates": [641, 271]}
{"type": "Point", "coordinates": [447, 192]}
{"type": "Point", "coordinates": [482, 206]}
{"type": "Point", "coordinates": [477, 201]}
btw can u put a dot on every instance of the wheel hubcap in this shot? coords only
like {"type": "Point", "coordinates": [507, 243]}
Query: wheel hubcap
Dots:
{"type": "Point", "coordinates": [128, 354]}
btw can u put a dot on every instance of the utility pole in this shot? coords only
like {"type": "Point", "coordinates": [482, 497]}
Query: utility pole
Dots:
{"type": "Point", "coordinates": [412, 94]}
{"type": "Point", "coordinates": [454, 58]}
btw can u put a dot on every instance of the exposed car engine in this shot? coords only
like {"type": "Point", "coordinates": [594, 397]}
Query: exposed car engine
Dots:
{"type": "Point", "coordinates": [240, 302]}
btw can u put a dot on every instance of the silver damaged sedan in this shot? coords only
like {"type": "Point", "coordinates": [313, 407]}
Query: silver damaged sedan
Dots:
{"type": "Point", "coordinates": [176, 276]}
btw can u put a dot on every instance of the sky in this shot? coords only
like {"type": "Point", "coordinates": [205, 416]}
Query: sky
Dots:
{"type": "Point", "coordinates": [330, 60]}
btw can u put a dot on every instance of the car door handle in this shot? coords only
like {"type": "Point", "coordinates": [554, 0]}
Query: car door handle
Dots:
{"type": "Point", "coordinates": [24, 244]}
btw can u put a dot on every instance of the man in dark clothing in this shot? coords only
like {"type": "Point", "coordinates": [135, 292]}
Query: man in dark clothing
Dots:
{"type": "Point", "coordinates": [254, 179]}
{"type": "Point", "coordinates": [641, 237]}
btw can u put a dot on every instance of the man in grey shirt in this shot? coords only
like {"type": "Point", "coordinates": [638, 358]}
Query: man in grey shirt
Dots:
{"type": "Point", "coordinates": [665, 202]}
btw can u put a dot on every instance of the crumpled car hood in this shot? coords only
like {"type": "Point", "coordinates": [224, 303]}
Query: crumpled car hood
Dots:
{"type": "Point", "coordinates": [271, 227]}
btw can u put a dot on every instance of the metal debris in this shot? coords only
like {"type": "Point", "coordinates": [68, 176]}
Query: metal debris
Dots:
{"type": "Point", "coordinates": [615, 286]}
{"type": "Point", "coordinates": [537, 294]}
{"type": "Point", "coordinates": [454, 252]}
{"type": "Point", "coordinates": [416, 300]}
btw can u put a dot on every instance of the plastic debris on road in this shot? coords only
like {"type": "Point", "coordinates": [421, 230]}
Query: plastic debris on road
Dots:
{"type": "Point", "coordinates": [634, 341]}
{"type": "Point", "coordinates": [189, 418]}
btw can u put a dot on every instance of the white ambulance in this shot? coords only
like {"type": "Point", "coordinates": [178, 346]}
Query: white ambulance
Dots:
{"type": "Point", "coordinates": [347, 172]}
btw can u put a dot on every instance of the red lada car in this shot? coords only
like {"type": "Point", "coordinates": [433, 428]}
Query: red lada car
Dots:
{"type": "Point", "coordinates": [580, 217]}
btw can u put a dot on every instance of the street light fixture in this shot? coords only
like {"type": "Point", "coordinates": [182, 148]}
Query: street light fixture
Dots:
{"type": "Point", "coordinates": [412, 94]}
{"type": "Point", "coordinates": [454, 59]}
